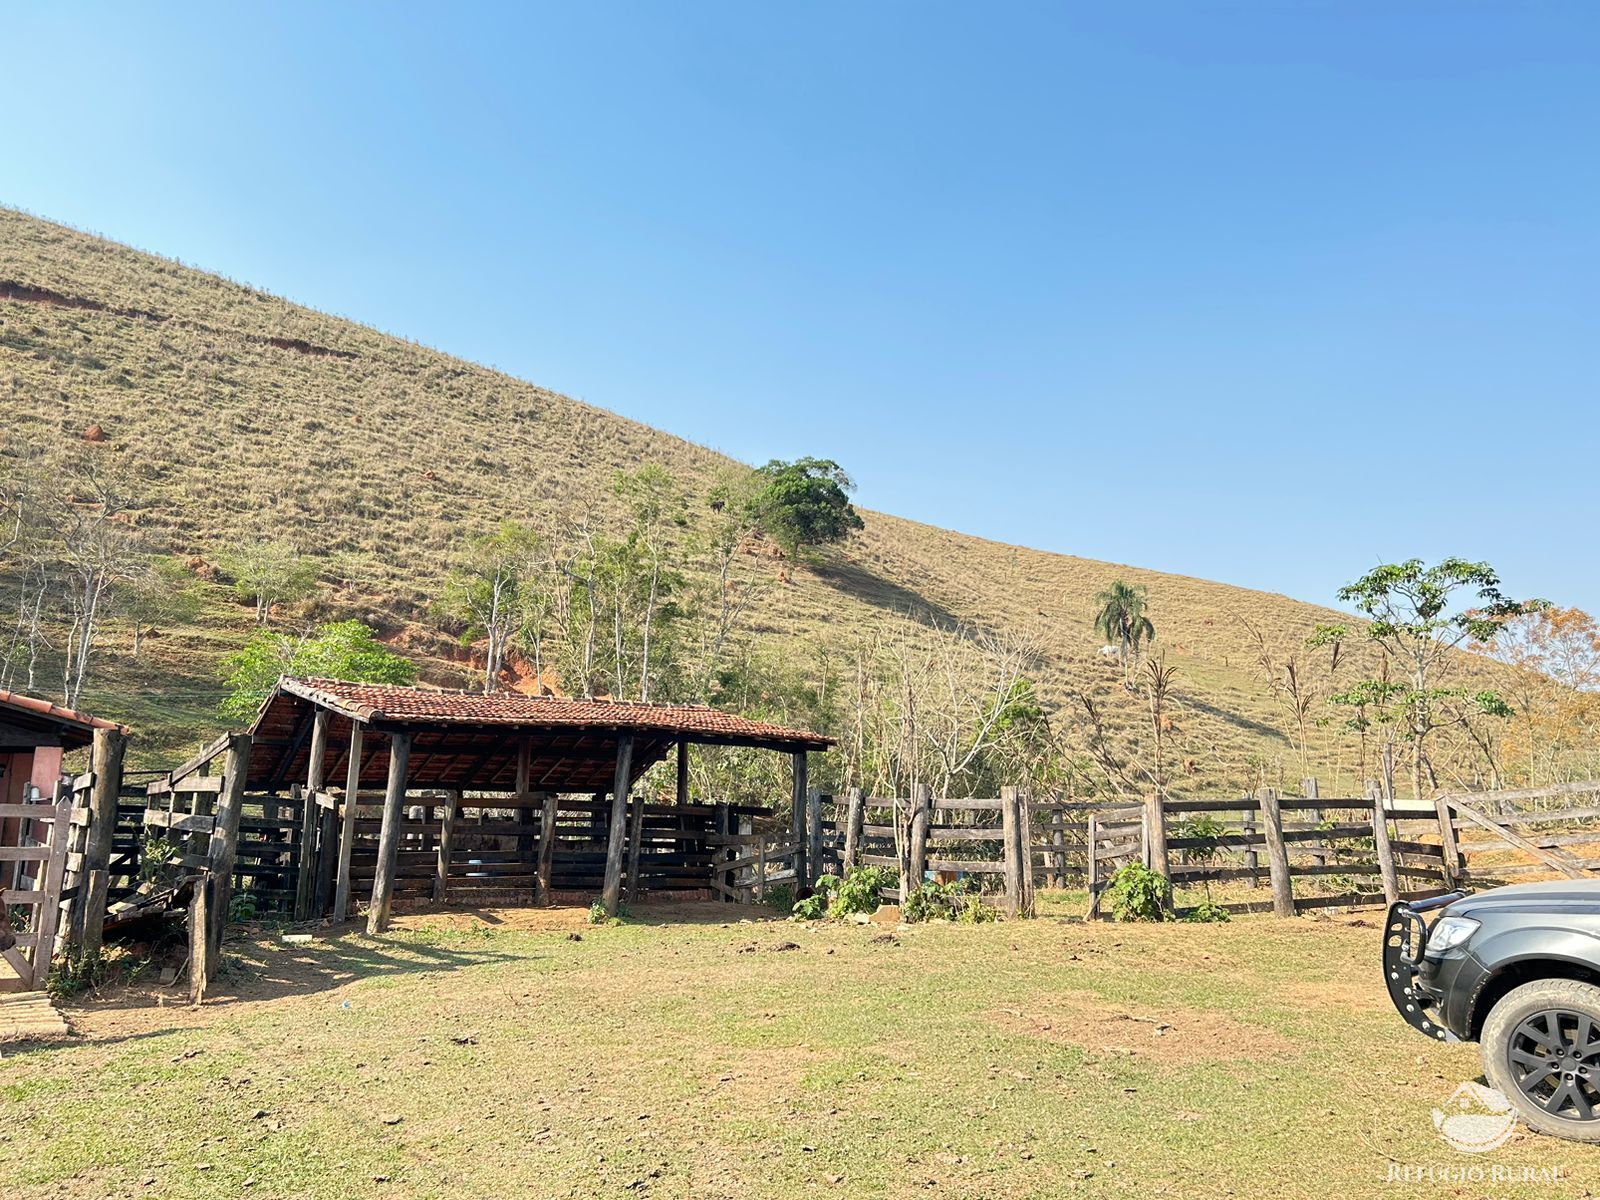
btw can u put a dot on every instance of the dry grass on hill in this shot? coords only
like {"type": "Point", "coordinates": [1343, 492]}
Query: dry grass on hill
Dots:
{"type": "Point", "coordinates": [247, 416]}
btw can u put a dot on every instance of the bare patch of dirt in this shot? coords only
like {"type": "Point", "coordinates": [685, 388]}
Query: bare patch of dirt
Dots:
{"type": "Point", "coordinates": [1174, 1036]}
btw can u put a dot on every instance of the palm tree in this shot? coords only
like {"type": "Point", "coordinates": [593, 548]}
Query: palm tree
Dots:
{"type": "Point", "coordinates": [1121, 618]}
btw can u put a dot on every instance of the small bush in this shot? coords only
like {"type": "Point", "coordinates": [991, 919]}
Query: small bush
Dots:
{"type": "Point", "coordinates": [812, 908]}
{"type": "Point", "coordinates": [153, 855]}
{"type": "Point", "coordinates": [1206, 912]}
{"type": "Point", "coordinates": [857, 892]}
{"type": "Point", "coordinates": [780, 896]}
{"type": "Point", "coordinates": [79, 971]}
{"type": "Point", "coordinates": [242, 908]}
{"type": "Point", "coordinates": [598, 914]}
{"type": "Point", "coordinates": [959, 901]}
{"type": "Point", "coordinates": [1136, 893]}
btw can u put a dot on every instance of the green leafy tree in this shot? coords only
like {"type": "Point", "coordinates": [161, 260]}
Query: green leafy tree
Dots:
{"type": "Point", "coordinates": [805, 504]}
{"type": "Point", "coordinates": [338, 650]}
{"type": "Point", "coordinates": [268, 573]}
{"type": "Point", "coordinates": [1417, 618]}
{"type": "Point", "coordinates": [1122, 617]}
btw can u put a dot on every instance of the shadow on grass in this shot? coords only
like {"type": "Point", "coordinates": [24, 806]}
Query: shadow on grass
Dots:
{"type": "Point", "coordinates": [861, 583]}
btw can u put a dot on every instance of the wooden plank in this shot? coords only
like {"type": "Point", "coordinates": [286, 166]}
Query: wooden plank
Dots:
{"type": "Point", "coordinates": [1384, 852]}
{"type": "Point", "coordinates": [977, 804]}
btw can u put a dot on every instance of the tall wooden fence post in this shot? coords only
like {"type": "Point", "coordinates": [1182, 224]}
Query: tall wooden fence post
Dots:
{"type": "Point", "coordinates": [1247, 826]}
{"type": "Point", "coordinates": [1155, 824]}
{"type": "Point", "coordinates": [1450, 851]}
{"type": "Point", "coordinates": [1318, 848]}
{"type": "Point", "coordinates": [1010, 833]}
{"type": "Point", "coordinates": [95, 875]}
{"type": "Point", "coordinates": [635, 844]}
{"type": "Point", "coordinates": [1092, 864]}
{"type": "Point", "coordinates": [814, 831]}
{"type": "Point", "coordinates": [224, 845]}
{"type": "Point", "coordinates": [802, 874]}
{"type": "Point", "coordinates": [852, 828]}
{"type": "Point", "coordinates": [1277, 854]}
{"type": "Point", "coordinates": [917, 850]}
{"type": "Point", "coordinates": [1381, 846]}
{"type": "Point", "coordinates": [1024, 805]}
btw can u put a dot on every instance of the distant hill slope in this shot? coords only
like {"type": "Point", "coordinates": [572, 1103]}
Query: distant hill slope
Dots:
{"type": "Point", "coordinates": [251, 416]}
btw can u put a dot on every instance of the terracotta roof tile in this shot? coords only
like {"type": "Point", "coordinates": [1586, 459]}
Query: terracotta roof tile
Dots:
{"type": "Point", "coordinates": [34, 706]}
{"type": "Point", "coordinates": [408, 705]}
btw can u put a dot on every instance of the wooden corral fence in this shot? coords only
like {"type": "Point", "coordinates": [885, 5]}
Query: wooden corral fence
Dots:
{"type": "Point", "coordinates": [33, 900]}
{"type": "Point", "coordinates": [467, 846]}
{"type": "Point", "coordinates": [1514, 834]}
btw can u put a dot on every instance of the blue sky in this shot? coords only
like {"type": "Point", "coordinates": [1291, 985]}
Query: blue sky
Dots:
{"type": "Point", "coordinates": [1260, 292]}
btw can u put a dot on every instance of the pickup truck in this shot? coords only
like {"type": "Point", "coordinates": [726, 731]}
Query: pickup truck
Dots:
{"type": "Point", "coordinates": [1517, 970]}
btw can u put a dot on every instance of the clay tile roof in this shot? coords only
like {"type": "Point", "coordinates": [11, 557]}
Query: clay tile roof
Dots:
{"type": "Point", "coordinates": [76, 727]}
{"type": "Point", "coordinates": [392, 705]}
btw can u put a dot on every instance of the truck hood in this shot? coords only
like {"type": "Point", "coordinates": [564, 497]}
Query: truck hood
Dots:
{"type": "Point", "coordinates": [1567, 896]}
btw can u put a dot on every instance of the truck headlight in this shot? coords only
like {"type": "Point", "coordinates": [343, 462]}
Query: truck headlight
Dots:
{"type": "Point", "coordinates": [1449, 932]}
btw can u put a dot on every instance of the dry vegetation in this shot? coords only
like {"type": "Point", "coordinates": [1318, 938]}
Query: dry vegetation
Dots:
{"type": "Point", "coordinates": [245, 416]}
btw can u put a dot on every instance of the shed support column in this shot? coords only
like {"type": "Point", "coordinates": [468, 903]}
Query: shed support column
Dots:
{"type": "Point", "coordinates": [635, 844]}
{"type": "Point", "coordinates": [305, 881]}
{"type": "Point", "coordinates": [347, 829]}
{"type": "Point", "coordinates": [683, 774]}
{"type": "Point", "coordinates": [95, 877]}
{"type": "Point", "coordinates": [550, 809]}
{"type": "Point", "coordinates": [389, 839]}
{"type": "Point", "coordinates": [802, 876]}
{"type": "Point", "coordinates": [611, 895]}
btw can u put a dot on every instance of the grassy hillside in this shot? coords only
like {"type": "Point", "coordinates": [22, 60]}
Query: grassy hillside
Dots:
{"type": "Point", "coordinates": [248, 416]}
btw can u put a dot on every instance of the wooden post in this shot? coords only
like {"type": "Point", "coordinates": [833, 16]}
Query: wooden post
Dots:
{"type": "Point", "coordinates": [347, 827]}
{"type": "Point", "coordinates": [447, 837]}
{"type": "Point", "coordinates": [852, 828]}
{"type": "Point", "coordinates": [611, 894]}
{"type": "Point", "coordinates": [389, 836]}
{"type": "Point", "coordinates": [53, 872]}
{"type": "Point", "coordinates": [1025, 851]}
{"type": "Point", "coordinates": [1277, 854]}
{"type": "Point", "coordinates": [305, 880]}
{"type": "Point", "coordinates": [1008, 844]}
{"type": "Point", "coordinates": [1092, 865]}
{"type": "Point", "coordinates": [1058, 840]}
{"type": "Point", "coordinates": [761, 872]}
{"type": "Point", "coordinates": [635, 844]}
{"type": "Point", "coordinates": [1247, 826]}
{"type": "Point", "coordinates": [95, 875]}
{"type": "Point", "coordinates": [224, 845]}
{"type": "Point", "coordinates": [1318, 848]}
{"type": "Point", "coordinates": [1451, 852]}
{"type": "Point", "coordinates": [917, 851]}
{"type": "Point", "coordinates": [200, 964]}
{"type": "Point", "coordinates": [1155, 816]}
{"type": "Point", "coordinates": [802, 872]}
{"type": "Point", "coordinates": [814, 831]}
{"type": "Point", "coordinates": [327, 858]}
{"type": "Point", "coordinates": [724, 826]}
{"type": "Point", "coordinates": [1380, 843]}
{"type": "Point", "coordinates": [549, 810]}
{"type": "Point", "coordinates": [683, 774]}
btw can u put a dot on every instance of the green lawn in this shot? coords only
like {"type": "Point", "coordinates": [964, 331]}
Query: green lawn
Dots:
{"type": "Point", "coordinates": [690, 1054]}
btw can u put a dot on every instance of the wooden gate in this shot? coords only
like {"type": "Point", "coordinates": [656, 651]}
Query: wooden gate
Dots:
{"type": "Point", "coordinates": [32, 905]}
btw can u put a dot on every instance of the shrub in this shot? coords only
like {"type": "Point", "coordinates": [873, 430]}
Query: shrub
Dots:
{"type": "Point", "coordinates": [1205, 912]}
{"type": "Point", "coordinates": [780, 896]}
{"type": "Point", "coordinates": [857, 892]}
{"type": "Point", "coordinates": [78, 971]}
{"type": "Point", "coordinates": [242, 907]}
{"type": "Point", "coordinates": [1136, 893]}
{"type": "Point", "coordinates": [958, 901]}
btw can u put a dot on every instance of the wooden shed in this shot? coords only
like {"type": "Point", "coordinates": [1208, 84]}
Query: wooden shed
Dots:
{"type": "Point", "coordinates": [383, 773]}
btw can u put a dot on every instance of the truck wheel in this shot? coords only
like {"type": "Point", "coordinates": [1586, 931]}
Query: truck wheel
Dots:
{"type": "Point", "coordinates": [1541, 1049]}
